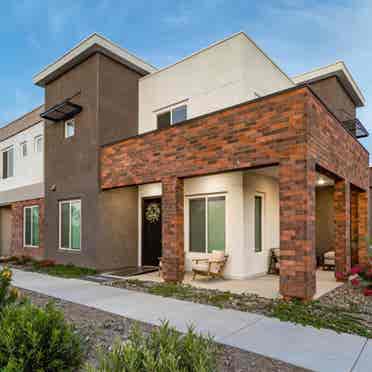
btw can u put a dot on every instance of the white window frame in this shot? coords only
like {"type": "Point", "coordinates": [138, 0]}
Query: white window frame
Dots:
{"type": "Point", "coordinates": [36, 140]}
{"type": "Point", "coordinates": [263, 204]}
{"type": "Point", "coordinates": [2, 165]}
{"type": "Point", "coordinates": [70, 122]}
{"type": "Point", "coordinates": [170, 110]}
{"type": "Point", "coordinates": [71, 201]}
{"type": "Point", "coordinates": [206, 197]}
{"type": "Point", "coordinates": [24, 144]}
{"type": "Point", "coordinates": [24, 226]}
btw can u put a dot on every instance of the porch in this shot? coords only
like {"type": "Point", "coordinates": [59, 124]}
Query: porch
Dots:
{"type": "Point", "coordinates": [264, 286]}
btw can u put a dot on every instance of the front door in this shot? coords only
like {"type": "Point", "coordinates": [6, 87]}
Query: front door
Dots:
{"type": "Point", "coordinates": [151, 231]}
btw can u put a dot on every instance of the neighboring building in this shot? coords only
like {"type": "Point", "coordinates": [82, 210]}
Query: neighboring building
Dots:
{"type": "Point", "coordinates": [22, 185]}
{"type": "Point", "coordinates": [220, 151]}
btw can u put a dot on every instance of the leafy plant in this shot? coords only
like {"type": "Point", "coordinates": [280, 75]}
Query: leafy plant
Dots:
{"type": "Point", "coordinates": [8, 295]}
{"type": "Point", "coordinates": [35, 339]}
{"type": "Point", "coordinates": [361, 277]}
{"type": "Point", "coordinates": [164, 350]}
{"type": "Point", "coordinates": [63, 271]}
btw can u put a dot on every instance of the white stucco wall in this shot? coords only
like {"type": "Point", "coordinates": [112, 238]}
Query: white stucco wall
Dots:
{"type": "Point", "coordinates": [28, 170]}
{"type": "Point", "coordinates": [239, 190]}
{"type": "Point", "coordinates": [225, 74]}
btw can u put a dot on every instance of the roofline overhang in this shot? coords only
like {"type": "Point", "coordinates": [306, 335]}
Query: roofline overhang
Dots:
{"type": "Point", "coordinates": [339, 70]}
{"type": "Point", "coordinates": [94, 43]}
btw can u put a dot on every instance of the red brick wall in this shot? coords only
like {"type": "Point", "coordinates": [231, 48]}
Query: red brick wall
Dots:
{"type": "Point", "coordinates": [292, 129]}
{"type": "Point", "coordinates": [17, 246]}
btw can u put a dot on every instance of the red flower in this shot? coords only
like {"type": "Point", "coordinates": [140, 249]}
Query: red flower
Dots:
{"type": "Point", "coordinates": [355, 270]}
{"type": "Point", "coordinates": [367, 291]}
{"type": "Point", "coordinates": [355, 282]}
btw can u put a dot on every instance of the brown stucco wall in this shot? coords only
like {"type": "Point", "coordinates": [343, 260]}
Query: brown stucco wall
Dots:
{"type": "Point", "coordinates": [331, 91]}
{"type": "Point", "coordinates": [72, 164]}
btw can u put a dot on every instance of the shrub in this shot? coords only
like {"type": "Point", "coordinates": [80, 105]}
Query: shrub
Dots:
{"type": "Point", "coordinates": [361, 277]}
{"type": "Point", "coordinates": [7, 295]}
{"type": "Point", "coordinates": [164, 350]}
{"type": "Point", "coordinates": [44, 263]}
{"type": "Point", "coordinates": [35, 339]}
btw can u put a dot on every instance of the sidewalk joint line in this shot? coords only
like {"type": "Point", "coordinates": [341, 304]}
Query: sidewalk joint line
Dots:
{"type": "Point", "coordinates": [246, 325]}
{"type": "Point", "coordinates": [359, 355]}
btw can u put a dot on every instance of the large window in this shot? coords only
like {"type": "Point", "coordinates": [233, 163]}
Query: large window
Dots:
{"type": "Point", "coordinates": [8, 162]}
{"type": "Point", "coordinates": [70, 225]}
{"type": "Point", "coordinates": [207, 224]}
{"type": "Point", "coordinates": [173, 116]}
{"type": "Point", "coordinates": [258, 222]}
{"type": "Point", "coordinates": [31, 226]}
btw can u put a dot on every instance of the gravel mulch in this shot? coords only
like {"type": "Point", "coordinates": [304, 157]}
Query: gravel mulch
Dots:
{"type": "Point", "coordinates": [100, 329]}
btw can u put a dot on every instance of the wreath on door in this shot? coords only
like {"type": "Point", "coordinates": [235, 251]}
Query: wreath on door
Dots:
{"type": "Point", "coordinates": [153, 213]}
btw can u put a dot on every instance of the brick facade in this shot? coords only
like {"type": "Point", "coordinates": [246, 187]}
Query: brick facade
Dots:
{"type": "Point", "coordinates": [292, 129]}
{"type": "Point", "coordinates": [17, 245]}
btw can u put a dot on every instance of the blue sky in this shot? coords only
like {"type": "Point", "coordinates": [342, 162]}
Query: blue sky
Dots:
{"type": "Point", "coordinates": [298, 34]}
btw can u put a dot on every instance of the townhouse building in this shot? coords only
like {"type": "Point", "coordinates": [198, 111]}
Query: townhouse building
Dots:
{"type": "Point", "coordinates": [219, 151]}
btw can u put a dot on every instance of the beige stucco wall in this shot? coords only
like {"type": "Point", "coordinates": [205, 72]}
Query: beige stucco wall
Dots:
{"type": "Point", "coordinates": [225, 74]}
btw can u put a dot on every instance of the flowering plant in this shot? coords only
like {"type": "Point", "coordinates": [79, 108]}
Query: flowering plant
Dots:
{"type": "Point", "coordinates": [7, 295]}
{"type": "Point", "coordinates": [360, 277]}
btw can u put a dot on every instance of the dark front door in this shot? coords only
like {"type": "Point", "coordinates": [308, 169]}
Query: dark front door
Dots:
{"type": "Point", "coordinates": [151, 231]}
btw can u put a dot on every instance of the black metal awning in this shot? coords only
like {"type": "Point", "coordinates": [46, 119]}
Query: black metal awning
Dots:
{"type": "Point", "coordinates": [62, 111]}
{"type": "Point", "coordinates": [355, 128]}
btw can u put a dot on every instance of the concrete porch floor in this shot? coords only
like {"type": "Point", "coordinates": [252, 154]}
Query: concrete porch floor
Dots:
{"type": "Point", "coordinates": [264, 286]}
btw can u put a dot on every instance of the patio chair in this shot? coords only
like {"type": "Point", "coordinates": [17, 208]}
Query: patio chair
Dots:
{"type": "Point", "coordinates": [274, 265]}
{"type": "Point", "coordinates": [211, 267]}
{"type": "Point", "coordinates": [329, 262]}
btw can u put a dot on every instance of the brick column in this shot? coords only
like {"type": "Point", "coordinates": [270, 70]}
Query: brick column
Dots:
{"type": "Point", "coordinates": [363, 239]}
{"type": "Point", "coordinates": [341, 203]}
{"type": "Point", "coordinates": [354, 227]}
{"type": "Point", "coordinates": [173, 236]}
{"type": "Point", "coordinates": [297, 228]}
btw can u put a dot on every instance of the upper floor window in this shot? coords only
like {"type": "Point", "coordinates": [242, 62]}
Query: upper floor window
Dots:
{"type": "Point", "coordinates": [69, 128]}
{"type": "Point", "coordinates": [173, 116]}
{"type": "Point", "coordinates": [8, 162]}
{"type": "Point", "coordinates": [24, 152]}
{"type": "Point", "coordinates": [39, 144]}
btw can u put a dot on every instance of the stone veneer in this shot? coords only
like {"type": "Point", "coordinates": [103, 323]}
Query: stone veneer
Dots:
{"type": "Point", "coordinates": [17, 245]}
{"type": "Point", "coordinates": [292, 129]}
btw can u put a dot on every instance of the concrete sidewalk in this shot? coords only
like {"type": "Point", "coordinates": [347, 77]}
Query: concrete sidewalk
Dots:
{"type": "Point", "coordinates": [318, 350]}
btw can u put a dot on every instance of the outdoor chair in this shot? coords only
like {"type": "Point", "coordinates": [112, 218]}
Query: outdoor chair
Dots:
{"type": "Point", "coordinates": [274, 264]}
{"type": "Point", "coordinates": [329, 261]}
{"type": "Point", "coordinates": [211, 267]}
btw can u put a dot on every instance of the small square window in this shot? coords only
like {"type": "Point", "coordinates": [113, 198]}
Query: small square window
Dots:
{"type": "Point", "coordinates": [164, 120]}
{"type": "Point", "coordinates": [39, 144]}
{"type": "Point", "coordinates": [69, 128]}
{"type": "Point", "coordinates": [179, 114]}
{"type": "Point", "coordinates": [24, 152]}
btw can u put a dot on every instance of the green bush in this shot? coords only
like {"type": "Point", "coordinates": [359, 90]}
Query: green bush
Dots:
{"type": "Point", "coordinates": [164, 350]}
{"type": "Point", "coordinates": [7, 295]}
{"type": "Point", "coordinates": [34, 339]}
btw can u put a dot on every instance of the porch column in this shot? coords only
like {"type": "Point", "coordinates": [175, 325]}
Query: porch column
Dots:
{"type": "Point", "coordinates": [363, 239]}
{"type": "Point", "coordinates": [341, 202]}
{"type": "Point", "coordinates": [354, 227]}
{"type": "Point", "coordinates": [173, 261]}
{"type": "Point", "coordinates": [297, 179]}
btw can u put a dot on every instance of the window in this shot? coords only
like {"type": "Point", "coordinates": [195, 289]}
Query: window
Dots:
{"type": "Point", "coordinates": [174, 116]}
{"type": "Point", "coordinates": [8, 163]}
{"type": "Point", "coordinates": [207, 224]}
{"type": "Point", "coordinates": [258, 222]}
{"type": "Point", "coordinates": [69, 128]}
{"type": "Point", "coordinates": [38, 144]}
{"type": "Point", "coordinates": [70, 225]}
{"type": "Point", "coordinates": [24, 149]}
{"type": "Point", "coordinates": [31, 226]}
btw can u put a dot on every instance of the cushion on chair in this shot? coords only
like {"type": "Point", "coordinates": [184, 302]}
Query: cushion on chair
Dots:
{"type": "Point", "coordinates": [201, 266]}
{"type": "Point", "coordinates": [329, 255]}
{"type": "Point", "coordinates": [217, 256]}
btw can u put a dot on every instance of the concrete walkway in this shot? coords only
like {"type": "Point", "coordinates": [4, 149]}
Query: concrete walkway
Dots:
{"type": "Point", "coordinates": [318, 350]}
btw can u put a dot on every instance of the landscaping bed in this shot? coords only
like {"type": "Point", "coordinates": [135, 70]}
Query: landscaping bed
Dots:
{"type": "Point", "coordinates": [344, 309]}
{"type": "Point", "coordinates": [99, 329]}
